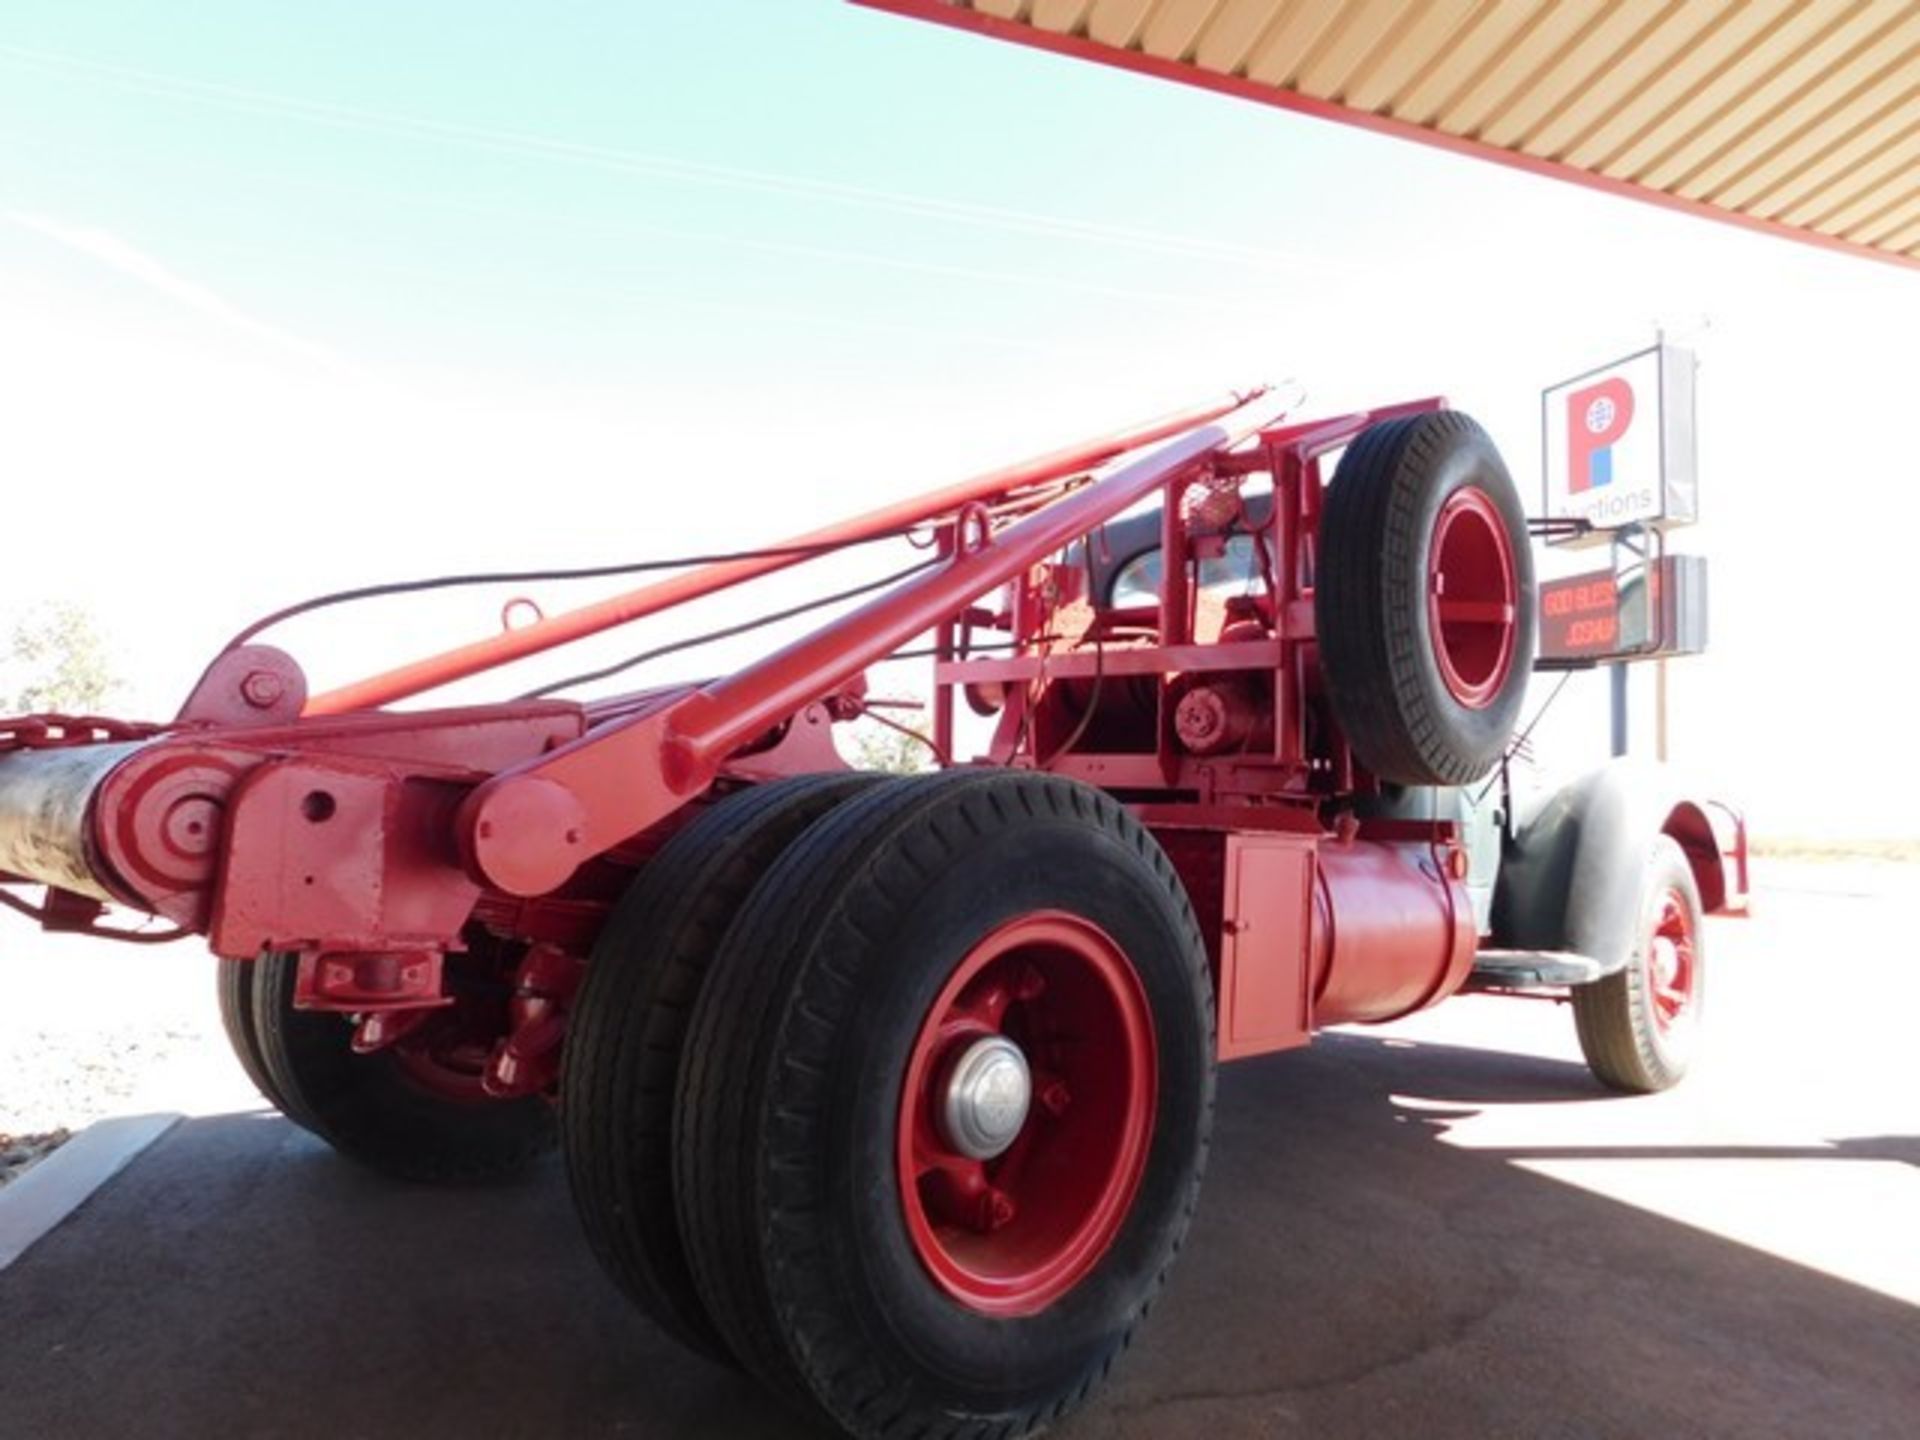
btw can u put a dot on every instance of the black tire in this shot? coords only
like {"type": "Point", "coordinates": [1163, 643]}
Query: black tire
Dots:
{"type": "Point", "coordinates": [1414, 715]}
{"type": "Point", "coordinates": [629, 1025]}
{"type": "Point", "coordinates": [792, 1092]}
{"type": "Point", "coordinates": [233, 981]}
{"type": "Point", "coordinates": [1630, 1041]}
{"type": "Point", "coordinates": [371, 1110]}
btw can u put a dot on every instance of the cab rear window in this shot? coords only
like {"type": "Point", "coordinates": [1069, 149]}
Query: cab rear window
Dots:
{"type": "Point", "coordinates": [1234, 572]}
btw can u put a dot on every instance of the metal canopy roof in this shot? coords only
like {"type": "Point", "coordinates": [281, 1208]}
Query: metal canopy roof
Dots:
{"type": "Point", "coordinates": [1799, 117]}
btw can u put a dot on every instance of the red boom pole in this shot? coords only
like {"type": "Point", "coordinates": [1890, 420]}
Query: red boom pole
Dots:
{"type": "Point", "coordinates": [557, 630]}
{"type": "Point", "coordinates": [529, 827]}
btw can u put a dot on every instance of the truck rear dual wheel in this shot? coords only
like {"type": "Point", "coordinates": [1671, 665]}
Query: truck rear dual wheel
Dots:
{"type": "Point", "coordinates": [1638, 1027]}
{"type": "Point", "coordinates": [1424, 599]}
{"type": "Point", "coordinates": [944, 1104]}
{"type": "Point", "coordinates": [415, 1111]}
{"type": "Point", "coordinates": [233, 983]}
{"type": "Point", "coordinates": [628, 1030]}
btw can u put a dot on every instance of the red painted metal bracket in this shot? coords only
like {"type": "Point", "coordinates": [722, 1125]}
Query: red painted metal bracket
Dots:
{"type": "Point", "coordinates": [528, 828]}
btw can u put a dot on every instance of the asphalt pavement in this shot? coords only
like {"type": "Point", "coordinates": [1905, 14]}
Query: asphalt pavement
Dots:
{"type": "Point", "coordinates": [1440, 1229]}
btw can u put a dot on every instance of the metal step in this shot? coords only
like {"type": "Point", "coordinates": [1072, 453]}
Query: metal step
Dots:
{"type": "Point", "coordinates": [1535, 967]}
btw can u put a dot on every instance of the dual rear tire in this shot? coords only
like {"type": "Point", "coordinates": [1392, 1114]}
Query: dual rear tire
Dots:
{"type": "Point", "coordinates": [627, 1036]}
{"type": "Point", "coordinates": [414, 1112]}
{"type": "Point", "coordinates": [941, 1088]}
{"type": "Point", "coordinates": [894, 1093]}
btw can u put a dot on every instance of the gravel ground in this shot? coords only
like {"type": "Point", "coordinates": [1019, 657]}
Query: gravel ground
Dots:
{"type": "Point", "coordinates": [17, 1152]}
{"type": "Point", "coordinates": [89, 1029]}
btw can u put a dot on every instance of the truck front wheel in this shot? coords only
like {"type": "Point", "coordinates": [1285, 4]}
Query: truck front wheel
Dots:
{"type": "Point", "coordinates": [1639, 1026]}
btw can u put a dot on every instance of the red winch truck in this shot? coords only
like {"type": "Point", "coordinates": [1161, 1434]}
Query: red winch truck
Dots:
{"type": "Point", "coordinates": [894, 1091]}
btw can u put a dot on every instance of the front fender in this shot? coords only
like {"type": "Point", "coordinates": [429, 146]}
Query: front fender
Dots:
{"type": "Point", "coordinates": [1570, 873]}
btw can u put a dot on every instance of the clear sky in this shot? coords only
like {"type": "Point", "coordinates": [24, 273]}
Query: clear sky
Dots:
{"type": "Point", "coordinates": [294, 297]}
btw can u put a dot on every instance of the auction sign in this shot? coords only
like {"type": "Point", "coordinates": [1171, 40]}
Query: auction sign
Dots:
{"type": "Point", "coordinates": [1618, 445]}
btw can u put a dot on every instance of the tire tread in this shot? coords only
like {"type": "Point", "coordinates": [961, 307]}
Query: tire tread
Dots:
{"type": "Point", "coordinates": [872, 857]}
{"type": "Point", "coordinates": [1613, 1017]}
{"type": "Point", "coordinates": [1370, 639]}
{"type": "Point", "coordinates": [629, 1027]}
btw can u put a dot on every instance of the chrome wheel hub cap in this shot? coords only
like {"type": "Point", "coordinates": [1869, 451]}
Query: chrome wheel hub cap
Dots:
{"type": "Point", "coordinates": [1666, 962]}
{"type": "Point", "coordinates": [986, 1098]}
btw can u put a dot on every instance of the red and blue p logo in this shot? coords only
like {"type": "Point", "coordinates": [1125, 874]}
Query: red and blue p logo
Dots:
{"type": "Point", "coordinates": [1596, 417]}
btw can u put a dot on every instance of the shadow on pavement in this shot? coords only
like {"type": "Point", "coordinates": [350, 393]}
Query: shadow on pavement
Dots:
{"type": "Point", "coordinates": [1348, 1276]}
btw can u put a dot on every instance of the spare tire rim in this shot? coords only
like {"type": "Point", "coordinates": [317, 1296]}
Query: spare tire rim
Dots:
{"type": "Point", "coordinates": [1472, 597]}
{"type": "Point", "coordinates": [1672, 965]}
{"type": "Point", "coordinates": [1012, 1199]}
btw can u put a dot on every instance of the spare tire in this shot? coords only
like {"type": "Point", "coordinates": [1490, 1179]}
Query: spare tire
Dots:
{"type": "Point", "coordinates": [1424, 599]}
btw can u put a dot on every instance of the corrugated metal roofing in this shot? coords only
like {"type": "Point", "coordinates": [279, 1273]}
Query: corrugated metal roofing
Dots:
{"type": "Point", "coordinates": [1798, 116]}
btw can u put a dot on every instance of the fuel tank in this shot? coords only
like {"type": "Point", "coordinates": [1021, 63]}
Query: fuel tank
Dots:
{"type": "Point", "coordinates": [1392, 932]}
{"type": "Point", "coordinates": [1316, 930]}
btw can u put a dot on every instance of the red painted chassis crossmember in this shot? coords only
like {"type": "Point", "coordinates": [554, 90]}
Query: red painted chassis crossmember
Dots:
{"type": "Point", "coordinates": [377, 843]}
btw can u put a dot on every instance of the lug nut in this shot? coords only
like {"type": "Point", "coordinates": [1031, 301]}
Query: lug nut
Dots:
{"type": "Point", "coordinates": [996, 1210]}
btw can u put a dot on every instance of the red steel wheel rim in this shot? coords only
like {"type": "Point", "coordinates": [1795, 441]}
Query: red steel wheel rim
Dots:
{"type": "Point", "coordinates": [447, 1056]}
{"type": "Point", "coordinates": [1472, 597]}
{"type": "Point", "coordinates": [1672, 963]}
{"type": "Point", "coordinates": [1010, 1235]}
